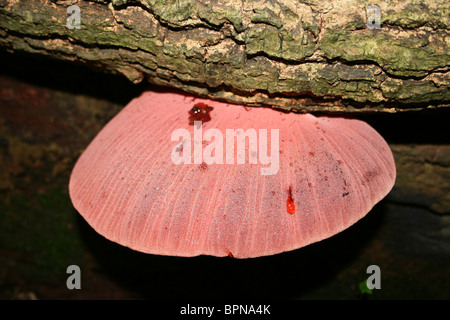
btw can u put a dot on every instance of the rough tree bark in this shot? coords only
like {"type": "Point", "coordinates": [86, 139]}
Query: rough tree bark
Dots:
{"type": "Point", "coordinates": [307, 55]}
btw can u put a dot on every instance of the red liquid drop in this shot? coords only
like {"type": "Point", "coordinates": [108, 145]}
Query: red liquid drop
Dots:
{"type": "Point", "coordinates": [290, 206]}
{"type": "Point", "coordinates": [200, 112]}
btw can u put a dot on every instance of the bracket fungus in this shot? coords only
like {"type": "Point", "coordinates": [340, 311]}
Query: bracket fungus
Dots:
{"type": "Point", "coordinates": [247, 182]}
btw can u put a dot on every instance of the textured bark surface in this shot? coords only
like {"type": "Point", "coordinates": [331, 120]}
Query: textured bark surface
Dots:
{"type": "Point", "coordinates": [303, 55]}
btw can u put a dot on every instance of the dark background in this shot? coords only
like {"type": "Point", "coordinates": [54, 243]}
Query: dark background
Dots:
{"type": "Point", "coordinates": [50, 110]}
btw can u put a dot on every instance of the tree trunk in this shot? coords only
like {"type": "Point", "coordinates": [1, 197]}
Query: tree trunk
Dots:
{"type": "Point", "coordinates": [308, 55]}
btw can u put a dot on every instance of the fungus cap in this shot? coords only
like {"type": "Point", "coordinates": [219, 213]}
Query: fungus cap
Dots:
{"type": "Point", "coordinates": [155, 182]}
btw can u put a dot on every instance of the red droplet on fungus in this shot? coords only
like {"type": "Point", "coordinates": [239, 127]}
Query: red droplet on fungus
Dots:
{"type": "Point", "coordinates": [200, 112]}
{"type": "Point", "coordinates": [290, 206]}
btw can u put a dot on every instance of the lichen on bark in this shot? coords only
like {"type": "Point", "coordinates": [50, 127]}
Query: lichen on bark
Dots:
{"type": "Point", "coordinates": [301, 55]}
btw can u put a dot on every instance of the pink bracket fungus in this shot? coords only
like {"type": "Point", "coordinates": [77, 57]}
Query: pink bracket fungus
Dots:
{"type": "Point", "coordinates": [248, 182]}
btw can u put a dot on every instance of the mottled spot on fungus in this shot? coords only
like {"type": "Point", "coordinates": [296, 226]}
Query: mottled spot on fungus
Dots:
{"type": "Point", "coordinates": [203, 166]}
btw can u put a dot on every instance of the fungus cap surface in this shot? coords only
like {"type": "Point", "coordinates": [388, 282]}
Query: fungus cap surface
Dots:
{"type": "Point", "coordinates": [148, 180]}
